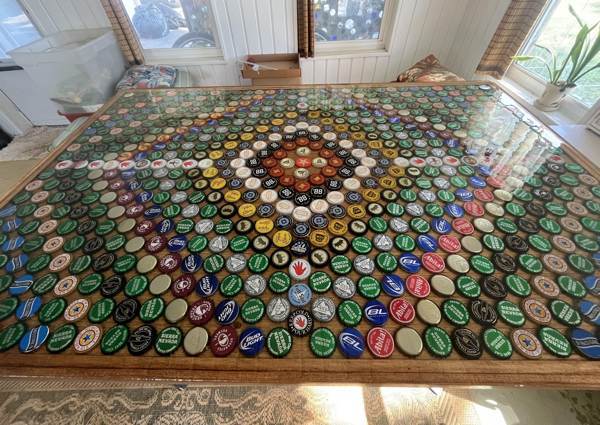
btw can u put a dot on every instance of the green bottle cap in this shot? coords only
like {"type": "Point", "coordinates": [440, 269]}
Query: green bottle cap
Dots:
{"type": "Point", "coordinates": [52, 310]}
{"type": "Point", "coordinates": [455, 312]}
{"type": "Point", "coordinates": [386, 262]}
{"type": "Point", "coordinates": [510, 313]}
{"type": "Point", "coordinates": [349, 313]}
{"type": "Point", "coordinates": [280, 282]}
{"type": "Point", "coordinates": [564, 313]}
{"type": "Point", "coordinates": [8, 307]}
{"type": "Point", "coordinates": [168, 340]}
{"type": "Point", "coordinates": [555, 342]}
{"type": "Point", "coordinates": [114, 339]}
{"type": "Point", "coordinates": [136, 285]}
{"type": "Point", "coordinates": [438, 341]}
{"type": "Point", "coordinates": [152, 309]}
{"type": "Point", "coordinates": [517, 285]}
{"type": "Point", "coordinates": [368, 287]}
{"type": "Point", "coordinates": [341, 265]}
{"type": "Point", "coordinates": [319, 282]}
{"type": "Point", "coordinates": [62, 338]}
{"type": "Point", "coordinates": [101, 310]}
{"type": "Point", "coordinates": [571, 286]}
{"type": "Point", "coordinates": [530, 263]}
{"type": "Point", "coordinates": [322, 342]}
{"type": "Point", "coordinates": [231, 285]}
{"type": "Point", "coordinates": [279, 342]}
{"type": "Point", "coordinates": [497, 344]}
{"type": "Point", "coordinates": [468, 287]}
{"type": "Point", "coordinates": [253, 310]}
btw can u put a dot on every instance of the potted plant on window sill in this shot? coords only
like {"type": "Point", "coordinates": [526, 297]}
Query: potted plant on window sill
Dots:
{"type": "Point", "coordinates": [563, 77]}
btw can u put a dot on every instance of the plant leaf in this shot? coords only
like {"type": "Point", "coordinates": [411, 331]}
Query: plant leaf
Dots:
{"type": "Point", "coordinates": [572, 11]}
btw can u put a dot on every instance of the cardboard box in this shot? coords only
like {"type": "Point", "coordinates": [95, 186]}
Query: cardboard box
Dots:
{"type": "Point", "coordinates": [287, 67]}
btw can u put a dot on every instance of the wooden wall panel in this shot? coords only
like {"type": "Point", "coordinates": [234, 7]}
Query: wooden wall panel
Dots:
{"type": "Point", "coordinates": [456, 31]}
{"type": "Point", "coordinates": [51, 16]}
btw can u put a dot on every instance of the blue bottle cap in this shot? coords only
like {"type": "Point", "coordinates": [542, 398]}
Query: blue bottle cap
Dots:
{"type": "Point", "coordinates": [226, 312]}
{"type": "Point", "coordinates": [351, 342]}
{"type": "Point", "coordinates": [153, 211]}
{"type": "Point", "coordinates": [464, 194]}
{"type": "Point", "coordinates": [11, 225]}
{"type": "Point", "coordinates": [409, 262]}
{"type": "Point", "coordinates": [8, 210]}
{"type": "Point", "coordinates": [585, 342]}
{"type": "Point", "coordinates": [454, 210]}
{"type": "Point", "coordinates": [16, 263]}
{"type": "Point", "coordinates": [393, 285]}
{"type": "Point", "coordinates": [191, 263]}
{"type": "Point", "coordinates": [252, 341]}
{"type": "Point", "coordinates": [477, 182]}
{"type": "Point", "coordinates": [34, 339]}
{"type": "Point", "coordinates": [427, 243]}
{"type": "Point", "coordinates": [13, 244]}
{"type": "Point", "coordinates": [165, 226]}
{"type": "Point", "coordinates": [441, 226]}
{"type": "Point", "coordinates": [376, 312]}
{"type": "Point", "coordinates": [207, 285]}
{"type": "Point", "coordinates": [28, 308]}
{"type": "Point", "coordinates": [20, 284]}
{"type": "Point", "coordinates": [591, 311]}
{"type": "Point", "coordinates": [299, 294]}
{"type": "Point", "coordinates": [176, 243]}
{"type": "Point", "coordinates": [592, 283]}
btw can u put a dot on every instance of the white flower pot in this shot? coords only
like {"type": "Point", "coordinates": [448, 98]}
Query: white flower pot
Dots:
{"type": "Point", "coordinates": [551, 98]}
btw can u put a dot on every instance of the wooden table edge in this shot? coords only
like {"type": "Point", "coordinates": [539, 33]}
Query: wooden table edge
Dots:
{"type": "Point", "coordinates": [544, 373]}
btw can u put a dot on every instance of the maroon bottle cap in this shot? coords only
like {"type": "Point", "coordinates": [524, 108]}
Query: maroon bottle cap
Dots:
{"type": "Point", "coordinates": [183, 286]}
{"type": "Point", "coordinates": [223, 341]}
{"type": "Point", "coordinates": [144, 228]}
{"type": "Point", "coordinates": [156, 243]}
{"type": "Point", "coordinates": [201, 312]}
{"type": "Point", "coordinates": [134, 211]}
{"type": "Point", "coordinates": [125, 198]}
{"type": "Point", "coordinates": [169, 263]}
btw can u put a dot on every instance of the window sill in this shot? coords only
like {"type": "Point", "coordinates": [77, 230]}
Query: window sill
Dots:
{"type": "Point", "coordinates": [183, 57]}
{"type": "Point", "coordinates": [526, 98]}
{"type": "Point", "coordinates": [349, 53]}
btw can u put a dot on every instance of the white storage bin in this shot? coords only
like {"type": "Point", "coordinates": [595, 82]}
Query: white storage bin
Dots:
{"type": "Point", "coordinates": [77, 69]}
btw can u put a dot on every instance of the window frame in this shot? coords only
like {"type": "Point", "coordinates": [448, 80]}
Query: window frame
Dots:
{"type": "Point", "coordinates": [181, 55]}
{"type": "Point", "coordinates": [571, 107]}
{"type": "Point", "coordinates": [10, 62]}
{"type": "Point", "coordinates": [381, 45]}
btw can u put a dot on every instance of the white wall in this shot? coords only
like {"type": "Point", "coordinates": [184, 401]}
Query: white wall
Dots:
{"type": "Point", "coordinates": [456, 31]}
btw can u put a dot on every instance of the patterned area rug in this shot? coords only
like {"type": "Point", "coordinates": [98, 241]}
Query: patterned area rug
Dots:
{"type": "Point", "coordinates": [32, 145]}
{"type": "Point", "coordinates": [56, 402]}
{"type": "Point", "coordinates": [73, 402]}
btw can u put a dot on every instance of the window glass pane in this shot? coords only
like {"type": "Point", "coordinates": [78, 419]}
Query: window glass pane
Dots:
{"type": "Point", "coordinates": [338, 20]}
{"type": "Point", "coordinates": [558, 34]}
{"type": "Point", "coordinates": [16, 29]}
{"type": "Point", "coordinates": [164, 24]}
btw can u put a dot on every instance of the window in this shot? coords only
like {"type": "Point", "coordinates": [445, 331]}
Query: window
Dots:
{"type": "Point", "coordinates": [173, 24]}
{"type": "Point", "coordinates": [16, 29]}
{"type": "Point", "coordinates": [351, 24]}
{"type": "Point", "coordinates": [556, 31]}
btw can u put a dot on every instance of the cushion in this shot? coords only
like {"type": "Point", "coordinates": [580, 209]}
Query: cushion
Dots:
{"type": "Point", "coordinates": [148, 77]}
{"type": "Point", "coordinates": [428, 70]}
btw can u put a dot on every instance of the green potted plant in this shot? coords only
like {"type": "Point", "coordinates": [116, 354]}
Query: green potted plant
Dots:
{"type": "Point", "coordinates": [563, 75]}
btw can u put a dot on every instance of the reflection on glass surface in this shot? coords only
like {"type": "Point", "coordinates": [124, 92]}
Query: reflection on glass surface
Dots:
{"type": "Point", "coordinates": [163, 24]}
{"type": "Point", "coordinates": [558, 34]}
{"type": "Point", "coordinates": [338, 20]}
{"type": "Point", "coordinates": [500, 139]}
{"type": "Point", "coordinates": [16, 29]}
